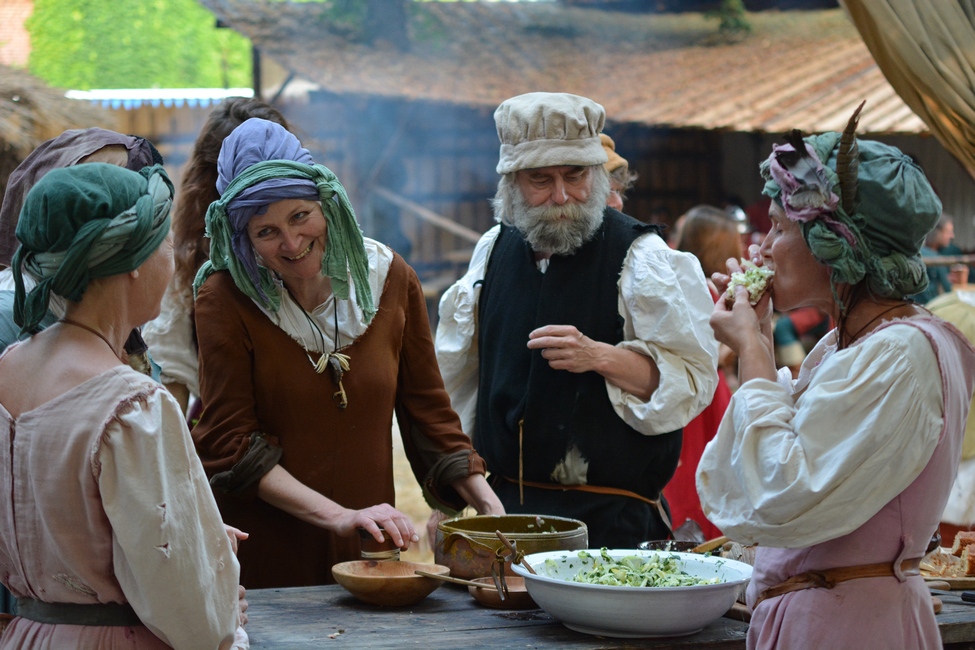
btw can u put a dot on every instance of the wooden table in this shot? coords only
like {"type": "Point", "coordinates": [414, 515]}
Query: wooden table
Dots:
{"type": "Point", "coordinates": [328, 617]}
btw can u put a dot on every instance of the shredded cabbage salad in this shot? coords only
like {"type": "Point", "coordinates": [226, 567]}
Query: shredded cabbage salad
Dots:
{"type": "Point", "coordinates": [659, 570]}
{"type": "Point", "coordinates": [754, 278]}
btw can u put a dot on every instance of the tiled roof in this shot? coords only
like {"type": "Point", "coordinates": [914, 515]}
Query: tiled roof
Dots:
{"type": "Point", "coordinates": [804, 70]}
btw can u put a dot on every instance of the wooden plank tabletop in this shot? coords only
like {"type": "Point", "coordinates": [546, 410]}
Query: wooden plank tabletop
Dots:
{"type": "Point", "coordinates": [328, 617]}
{"type": "Point", "coordinates": [956, 621]}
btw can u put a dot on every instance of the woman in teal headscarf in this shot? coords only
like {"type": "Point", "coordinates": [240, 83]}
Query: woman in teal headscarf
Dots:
{"type": "Point", "coordinates": [310, 337]}
{"type": "Point", "coordinates": [111, 536]}
{"type": "Point", "coordinates": [840, 477]}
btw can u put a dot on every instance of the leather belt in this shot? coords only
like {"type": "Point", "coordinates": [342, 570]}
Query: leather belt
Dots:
{"type": "Point", "coordinates": [596, 489]}
{"type": "Point", "coordinates": [829, 578]}
{"type": "Point", "coordinates": [96, 614]}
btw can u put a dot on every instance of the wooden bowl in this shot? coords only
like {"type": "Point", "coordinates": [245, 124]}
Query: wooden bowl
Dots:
{"type": "Point", "coordinates": [388, 583]}
{"type": "Point", "coordinates": [517, 597]}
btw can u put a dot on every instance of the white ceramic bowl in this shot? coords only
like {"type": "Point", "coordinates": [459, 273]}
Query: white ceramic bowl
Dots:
{"type": "Point", "coordinates": [633, 612]}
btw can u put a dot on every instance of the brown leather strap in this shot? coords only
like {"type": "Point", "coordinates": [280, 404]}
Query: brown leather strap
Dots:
{"type": "Point", "coordinates": [597, 489]}
{"type": "Point", "coordinates": [581, 488]}
{"type": "Point", "coordinates": [829, 578]}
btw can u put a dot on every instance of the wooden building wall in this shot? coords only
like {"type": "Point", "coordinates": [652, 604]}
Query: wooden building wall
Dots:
{"type": "Point", "coordinates": [171, 129]}
{"type": "Point", "coordinates": [395, 156]}
{"type": "Point", "coordinates": [443, 158]}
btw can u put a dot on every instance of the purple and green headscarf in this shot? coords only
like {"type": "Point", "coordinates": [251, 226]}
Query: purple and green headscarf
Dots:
{"type": "Point", "coordinates": [260, 163]}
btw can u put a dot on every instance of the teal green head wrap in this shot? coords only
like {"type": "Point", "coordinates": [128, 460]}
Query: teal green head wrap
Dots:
{"type": "Point", "coordinates": [874, 232]}
{"type": "Point", "coordinates": [345, 254]}
{"type": "Point", "coordinates": [85, 222]}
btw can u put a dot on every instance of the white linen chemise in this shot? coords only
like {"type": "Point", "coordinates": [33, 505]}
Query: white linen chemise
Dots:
{"type": "Point", "coordinates": [106, 502]}
{"type": "Point", "coordinates": [796, 463]}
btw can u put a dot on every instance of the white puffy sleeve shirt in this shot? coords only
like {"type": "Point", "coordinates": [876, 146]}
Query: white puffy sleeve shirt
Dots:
{"type": "Point", "coordinates": [665, 305]}
{"type": "Point", "coordinates": [797, 464]}
{"type": "Point", "coordinates": [172, 557]}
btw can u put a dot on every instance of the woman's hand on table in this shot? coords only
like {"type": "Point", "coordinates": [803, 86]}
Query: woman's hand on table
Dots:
{"type": "Point", "coordinates": [396, 524]}
{"type": "Point", "coordinates": [282, 490]}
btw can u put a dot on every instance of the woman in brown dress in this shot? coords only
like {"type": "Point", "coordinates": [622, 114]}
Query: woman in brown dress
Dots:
{"type": "Point", "coordinates": [311, 337]}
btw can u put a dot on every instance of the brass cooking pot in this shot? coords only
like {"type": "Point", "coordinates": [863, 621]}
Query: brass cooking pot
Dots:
{"type": "Point", "coordinates": [469, 545]}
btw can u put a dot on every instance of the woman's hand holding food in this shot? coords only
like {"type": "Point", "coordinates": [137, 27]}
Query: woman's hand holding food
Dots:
{"type": "Point", "coordinates": [745, 327]}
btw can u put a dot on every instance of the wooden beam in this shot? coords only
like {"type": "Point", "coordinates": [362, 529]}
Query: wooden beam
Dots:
{"type": "Point", "coordinates": [428, 215]}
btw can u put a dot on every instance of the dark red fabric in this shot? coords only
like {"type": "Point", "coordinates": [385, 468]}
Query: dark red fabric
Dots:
{"type": "Point", "coordinates": [805, 319]}
{"type": "Point", "coordinates": [681, 492]}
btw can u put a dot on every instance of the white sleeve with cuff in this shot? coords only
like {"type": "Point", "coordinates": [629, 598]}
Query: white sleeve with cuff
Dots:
{"type": "Point", "coordinates": [170, 340]}
{"type": "Point", "coordinates": [666, 307]}
{"type": "Point", "coordinates": [791, 470]}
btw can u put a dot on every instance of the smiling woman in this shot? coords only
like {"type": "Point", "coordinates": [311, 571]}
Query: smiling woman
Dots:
{"type": "Point", "coordinates": [292, 289]}
{"type": "Point", "coordinates": [289, 239]}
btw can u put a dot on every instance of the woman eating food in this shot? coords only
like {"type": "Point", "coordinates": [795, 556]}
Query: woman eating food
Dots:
{"type": "Point", "coordinates": [111, 536]}
{"type": "Point", "coordinates": [840, 476]}
{"type": "Point", "coordinates": [311, 337]}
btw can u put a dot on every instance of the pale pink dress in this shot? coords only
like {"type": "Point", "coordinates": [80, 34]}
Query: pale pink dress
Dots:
{"type": "Point", "coordinates": [873, 612]}
{"type": "Point", "coordinates": [103, 500]}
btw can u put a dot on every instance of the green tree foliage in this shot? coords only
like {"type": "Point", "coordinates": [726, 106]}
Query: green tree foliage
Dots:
{"type": "Point", "coordinates": [85, 44]}
{"type": "Point", "coordinates": [731, 15]}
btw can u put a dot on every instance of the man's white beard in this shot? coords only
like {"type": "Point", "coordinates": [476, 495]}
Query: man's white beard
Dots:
{"type": "Point", "coordinates": [544, 227]}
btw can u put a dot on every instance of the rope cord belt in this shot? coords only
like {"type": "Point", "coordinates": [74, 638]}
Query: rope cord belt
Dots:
{"type": "Point", "coordinates": [829, 578]}
{"type": "Point", "coordinates": [98, 614]}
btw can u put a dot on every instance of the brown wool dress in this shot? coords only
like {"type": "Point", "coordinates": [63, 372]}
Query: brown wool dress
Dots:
{"type": "Point", "coordinates": [255, 377]}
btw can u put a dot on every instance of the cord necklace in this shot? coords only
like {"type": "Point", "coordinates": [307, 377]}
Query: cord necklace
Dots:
{"type": "Point", "coordinates": [872, 320]}
{"type": "Point", "coordinates": [68, 321]}
{"type": "Point", "coordinates": [335, 361]}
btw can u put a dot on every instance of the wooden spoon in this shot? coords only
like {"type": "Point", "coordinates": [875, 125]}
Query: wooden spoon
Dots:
{"type": "Point", "coordinates": [710, 545]}
{"type": "Point", "coordinates": [459, 581]}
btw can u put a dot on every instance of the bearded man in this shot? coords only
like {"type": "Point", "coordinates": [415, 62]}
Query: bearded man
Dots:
{"type": "Point", "coordinates": [577, 345]}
